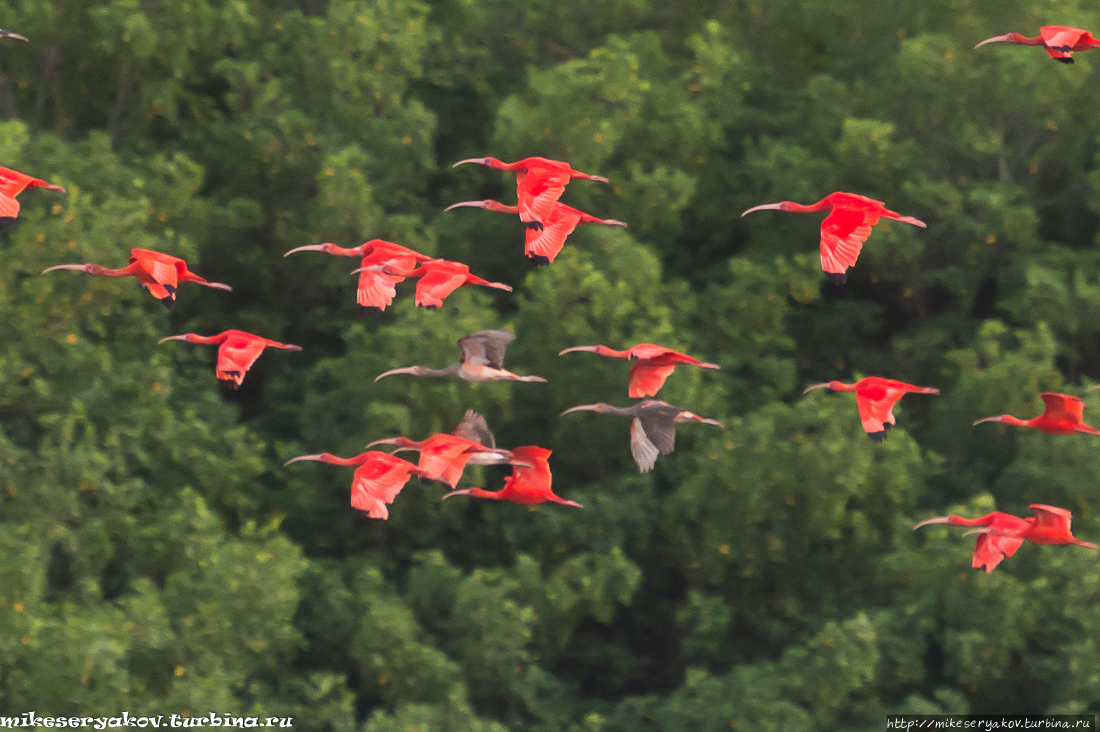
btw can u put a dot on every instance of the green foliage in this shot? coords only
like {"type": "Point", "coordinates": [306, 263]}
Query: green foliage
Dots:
{"type": "Point", "coordinates": [155, 556]}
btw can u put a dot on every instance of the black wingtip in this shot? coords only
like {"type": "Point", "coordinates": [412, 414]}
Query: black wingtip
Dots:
{"type": "Point", "coordinates": [877, 436]}
{"type": "Point", "coordinates": [535, 225]}
{"type": "Point", "coordinates": [1065, 60]}
{"type": "Point", "coordinates": [369, 309]}
{"type": "Point", "coordinates": [539, 259]}
{"type": "Point", "coordinates": [169, 302]}
{"type": "Point", "coordinates": [836, 278]}
{"type": "Point", "coordinates": [431, 307]}
{"type": "Point", "coordinates": [6, 222]}
{"type": "Point", "coordinates": [886, 425]}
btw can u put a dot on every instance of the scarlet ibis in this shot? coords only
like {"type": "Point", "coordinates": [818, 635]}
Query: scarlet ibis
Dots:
{"type": "Point", "coordinates": [438, 279]}
{"type": "Point", "coordinates": [539, 184]}
{"type": "Point", "coordinates": [991, 548]}
{"type": "Point", "coordinates": [1058, 41]}
{"type": "Point", "coordinates": [376, 288]}
{"type": "Point", "coordinates": [161, 274]}
{"type": "Point", "coordinates": [652, 429]}
{"type": "Point", "coordinates": [482, 360]}
{"type": "Point", "coordinates": [9, 34]}
{"type": "Point", "coordinates": [844, 230]}
{"type": "Point", "coordinates": [1063, 415]}
{"type": "Point", "coordinates": [530, 481]}
{"type": "Point", "coordinates": [445, 456]}
{"type": "Point", "coordinates": [237, 351]}
{"type": "Point", "coordinates": [544, 241]}
{"type": "Point", "coordinates": [875, 398]}
{"type": "Point", "coordinates": [12, 183]}
{"type": "Point", "coordinates": [1004, 532]}
{"type": "Point", "coordinates": [378, 479]}
{"type": "Point", "coordinates": [653, 367]}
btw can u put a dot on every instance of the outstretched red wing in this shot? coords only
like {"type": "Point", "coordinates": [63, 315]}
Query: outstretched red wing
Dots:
{"type": "Point", "coordinates": [376, 290]}
{"type": "Point", "coordinates": [1061, 38]}
{"type": "Point", "coordinates": [646, 379]}
{"type": "Point", "coordinates": [991, 550]}
{"type": "Point", "coordinates": [236, 356]}
{"type": "Point", "coordinates": [842, 235]}
{"type": "Point", "coordinates": [1063, 406]}
{"type": "Point", "coordinates": [12, 182]}
{"type": "Point", "coordinates": [9, 207]}
{"type": "Point", "coordinates": [876, 405]}
{"type": "Point", "coordinates": [1051, 519]}
{"type": "Point", "coordinates": [444, 457]}
{"type": "Point", "coordinates": [434, 286]}
{"type": "Point", "coordinates": [377, 483]}
{"type": "Point", "coordinates": [537, 190]}
{"type": "Point", "coordinates": [548, 241]}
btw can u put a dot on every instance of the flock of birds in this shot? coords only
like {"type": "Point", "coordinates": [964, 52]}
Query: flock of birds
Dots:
{"type": "Point", "coordinates": [380, 476]}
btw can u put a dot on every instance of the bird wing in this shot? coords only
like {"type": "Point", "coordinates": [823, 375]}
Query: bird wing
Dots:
{"type": "Point", "coordinates": [444, 457]}
{"type": "Point", "coordinates": [875, 405]}
{"type": "Point", "coordinates": [641, 447]}
{"type": "Point", "coordinates": [436, 284]}
{"type": "Point", "coordinates": [1051, 519]}
{"type": "Point", "coordinates": [557, 224]}
{"type": "Point", "coordinates": [1061, 38]}
{"type": "Point", "coordinates": [377, 482]}
{"type": "Point", "coordinates": [12, 182]}
{"type": "Point", "coordinates": [842, 235]}
{"type": "Point", "coordinates": [486, 347]}
{"type": "Point", "coordinates": [657, 421]}
{"type": "Point", "coordinates": [474, 428]}
{"type": "Point", "coordinates": [647, 378]}
{"type": "Point", "coordinates": [162, 276]}
{"type": "Point", "coordinates": [1063, 406]}
{"type": "Point", "coordinates": [9, 207]}
{"type": "Point", "coordinates": [376, 290]}
{"type": "Point", "coordinates": [537, 189]}
{"type": "Point", "coordinates": [991, 550]}
{"type": "Point", "coordinates": [236, 356]}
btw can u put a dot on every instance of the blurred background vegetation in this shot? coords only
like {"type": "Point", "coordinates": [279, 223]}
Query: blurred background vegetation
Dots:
{"type": "Point", "coordinates": [155, 556]}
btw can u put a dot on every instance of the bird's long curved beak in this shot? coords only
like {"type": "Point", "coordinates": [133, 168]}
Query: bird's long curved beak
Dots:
{"type": "Point", "coordinates": [383, 268]}
{"type": "Point", "coordinates": [937, 520]}
{"type": "Point", "coordinates": [615, 222]}
{"type": "Point", "coordinates": [987, 419]}
{"type": "Point", "coordinates": [173, 338]}
{"type": "Point", "coordinates": [77, 267]}
{"type": "Point", "coordinates": [985, 530]}
{"type": "Point", "coordinates": [713, 423]}
{"type": "Point", "coordinates": [391, 372]}
{"type": "Point", "coordinates": [467, 204]}
{"type": "Point", "coordinates": [587, 349]}
{"type": "Point", "coordinates": [994, 39]}
{"type": "Point", "coordinates": [386, 441]}
{"type": "Point", "coordinates": [217, 286]}
{"type": "Point", "coordinates": [307, 248]}
{"type": "Point", "coordinates": [1093, 388]}
{"type": "Point", "coordinates": [765, 207]}
{"type": "Point", "coordinates": [808, 389]}
{"type": "Point", "coordinates": [579, 408]}
{"type": "Point", "coordinates": [315, 458]}
{"type": "Point", "coordinates": [479, 161]}
{"type": "Point", "coordinates": [9, 34]}
{"type": "Point", "coordinates": [463, 491]}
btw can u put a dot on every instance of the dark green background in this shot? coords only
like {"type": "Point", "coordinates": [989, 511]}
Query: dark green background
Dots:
{"type": "Point", "coordinates": [155, 557]}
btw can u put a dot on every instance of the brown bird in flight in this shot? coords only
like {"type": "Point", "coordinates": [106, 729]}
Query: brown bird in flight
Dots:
{"type": "Point", "coordinates": [652, 427]}
{"type": "Point", "coordinates": [482, 360]}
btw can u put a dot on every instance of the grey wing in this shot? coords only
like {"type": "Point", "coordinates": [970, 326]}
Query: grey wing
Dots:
{"type": "Point", "coordinates": [473, 427]}
{"type": "Point", "coordinates": [486, 346]}
{"type": "Point", "coordinates": [657, 421]}
{"type": "Point", "coordinates": [644, 451]}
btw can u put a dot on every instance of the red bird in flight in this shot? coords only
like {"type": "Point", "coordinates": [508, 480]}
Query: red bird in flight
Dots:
{"type": "Point", "coordinates": [844, 230]}
{"type": "Point", "coordinates": [653, 367]}
{"type": "Point", "coordinates": [12, 183]}
{"type": "Point", "coordinates": [530, 481]}
{"type": "Point", "coordinates": [1058, 41]}
{"type": "Point", "coordinates": [444, 457]}
{"type": "Point", "coordinates": [161, 274]}
{"type": "Point", "coordinates": [1002, 533]}
{"type": "Point", "coordinates": [543, 243]}
{"type": "Point", "coordinates": [237, 351]}
{"type": "Point", "coordinates": [438, 279]}
{"type": "Point", "coordinates": [378, 479]}
{"type": "Point", "coordinates": [1063, 415]}
{"type": "Point", "coordinates": [482, 360]}
{"type": "Point", "coordinates": [876, 398]}
{"type": "Point", "coordinates": [376, 288]}
{"type": "Point", "coordinates": [539, 184]}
